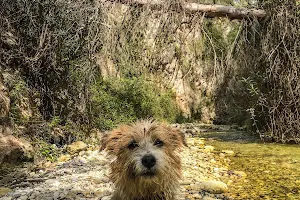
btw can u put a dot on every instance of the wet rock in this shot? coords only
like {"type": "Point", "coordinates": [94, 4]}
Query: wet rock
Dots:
{"type": "Point", "coordinates": [76, 147]}
{"type": "Point", "coordinates": [214, 187]}
{"type": "Point", "coordinates": [228, 152]}
{"type": "Point", "coordinates": [239, 174]}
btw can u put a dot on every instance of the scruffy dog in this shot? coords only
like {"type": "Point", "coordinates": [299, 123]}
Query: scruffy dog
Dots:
{"type": "Point", "coordinates": [146, 164]}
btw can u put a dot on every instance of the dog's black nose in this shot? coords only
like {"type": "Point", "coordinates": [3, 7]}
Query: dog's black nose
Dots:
{"type": "Point", "coordinates": [148, 161]}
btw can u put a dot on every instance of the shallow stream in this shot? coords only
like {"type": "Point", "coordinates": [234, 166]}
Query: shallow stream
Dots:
{"type": "Point", "coordinates": [273, 170]}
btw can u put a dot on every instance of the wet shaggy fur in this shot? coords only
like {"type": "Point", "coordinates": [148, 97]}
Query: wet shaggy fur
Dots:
{"type": "Point", "coordinates": [130, 147]}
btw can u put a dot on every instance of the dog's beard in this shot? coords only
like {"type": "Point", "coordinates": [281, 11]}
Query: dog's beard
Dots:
{"type": "Point", "coordinates": [149, 173]}
{"type": "Point", "coordinates": [139, 171]}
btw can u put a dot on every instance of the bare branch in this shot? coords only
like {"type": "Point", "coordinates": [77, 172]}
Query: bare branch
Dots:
{"type": "Point", "coordinates": [230, 12]}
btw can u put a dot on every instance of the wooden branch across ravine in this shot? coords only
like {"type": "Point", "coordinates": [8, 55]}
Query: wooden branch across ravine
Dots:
{"type": "Point", "coordinates": [210, 11]}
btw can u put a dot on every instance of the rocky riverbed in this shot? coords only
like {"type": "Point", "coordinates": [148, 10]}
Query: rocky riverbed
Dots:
{"type": "Point", "coordinates": [83, 174]}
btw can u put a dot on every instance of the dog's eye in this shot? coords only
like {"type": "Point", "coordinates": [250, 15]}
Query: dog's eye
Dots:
{"type": "Point", "coordinates": [132, 145]}
{"type": "Point", "coordinates": [158, 143]}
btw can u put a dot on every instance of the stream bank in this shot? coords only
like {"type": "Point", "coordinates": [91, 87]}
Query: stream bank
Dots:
{"type": "Point", "coordinates": [268, 170]}
{"type": "Point", "coordinates": [220, 163]}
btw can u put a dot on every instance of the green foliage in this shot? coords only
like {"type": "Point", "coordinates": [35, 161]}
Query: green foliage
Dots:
{"type": "Point", "coordinates": [49, 152]}
{"type": "Point", "coordinates": [122, 100]}
{"type": "Point", "coordinates": [251, 86]}
{"type": "Point", "coordinates": [55, 121]}
{"type": "Point", "coordinates": [18, 92]}
{"type": "Point", "coordinates": [216, 43]}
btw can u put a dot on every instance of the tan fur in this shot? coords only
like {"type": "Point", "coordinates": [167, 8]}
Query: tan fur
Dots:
{"type": "Point", "coordinates": [127, 170]}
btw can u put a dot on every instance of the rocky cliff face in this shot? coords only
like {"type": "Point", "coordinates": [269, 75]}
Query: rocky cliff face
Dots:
{"type": "Point", "coordinates": [12, 149]}
{"type": "Point", "coordinates": [177, 51]}
{"type": "Point", "coordinates": [4, 99]}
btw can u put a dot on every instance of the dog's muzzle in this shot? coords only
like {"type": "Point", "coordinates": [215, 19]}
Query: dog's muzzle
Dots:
{"type": "Point", "coordinates": [148, 161]}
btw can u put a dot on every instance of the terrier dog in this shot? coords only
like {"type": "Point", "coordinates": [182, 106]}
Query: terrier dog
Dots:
{"type": "Point", "coordinates": [146, 164]}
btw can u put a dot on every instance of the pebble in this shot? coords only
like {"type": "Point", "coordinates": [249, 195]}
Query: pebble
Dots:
{"type": "Point", "coordinates": [214, 187]}
{"type": "Point", "coordinates": [208, 198]}
{"type": "Point", "coordinates": [209, 148]}
{"type": "Point", "coordinates": [4, 191]}
{"type": "Point", "coordinates": [228, 152]}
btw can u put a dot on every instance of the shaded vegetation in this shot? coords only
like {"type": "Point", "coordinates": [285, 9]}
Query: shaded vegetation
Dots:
{"type": "Point", "coordinates": [81, 66]}
{"type": "Point", "coordinates": [262, 87]}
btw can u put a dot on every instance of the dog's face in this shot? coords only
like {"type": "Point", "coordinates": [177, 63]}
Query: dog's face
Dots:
{"type": "Point", "coordinates": [144, 151]}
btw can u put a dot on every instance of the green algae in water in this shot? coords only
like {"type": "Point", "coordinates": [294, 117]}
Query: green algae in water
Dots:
{"type": "Point", "coordinates": [273, 170]}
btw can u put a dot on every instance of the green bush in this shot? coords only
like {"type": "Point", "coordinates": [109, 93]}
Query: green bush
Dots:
{"type": "Point", "coordinates": [49, 152]}
{"type": "Point", "coordinates": [18, 93]}
{"type": "Point", "coordinates": [122, 100]}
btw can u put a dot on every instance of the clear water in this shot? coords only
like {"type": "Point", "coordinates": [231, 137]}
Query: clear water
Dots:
{"type": "Point", "coordinates": [273, 170]}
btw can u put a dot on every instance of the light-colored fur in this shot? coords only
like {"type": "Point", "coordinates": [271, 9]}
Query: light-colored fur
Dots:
{"type": "Point", "coordinates": [128, 144]}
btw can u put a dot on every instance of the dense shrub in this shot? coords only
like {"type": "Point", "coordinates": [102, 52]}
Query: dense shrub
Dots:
{"type": "Point", "coordinates": [127, 99]}
{"type": "Point", "coordinates": [50, 42]}
{"type": "Point", "coordinates": [262, 88]}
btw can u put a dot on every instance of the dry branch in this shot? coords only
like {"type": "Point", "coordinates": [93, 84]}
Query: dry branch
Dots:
{"type": "Point", "coordinates": [210, 10]}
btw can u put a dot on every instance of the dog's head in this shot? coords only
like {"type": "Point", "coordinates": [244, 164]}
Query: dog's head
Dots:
{"type": "Point", "coordinates": [145, 150]}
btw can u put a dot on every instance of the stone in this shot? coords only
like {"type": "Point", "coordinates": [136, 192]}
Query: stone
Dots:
{"type": "Point", "coordinates": [13, 150]}
{"type": "Point", "coordinates": [4, 191]}
{"type": "Point", "coordinates": [76, 147]}
{"type": "Point", "coordinates": [56, 195]}
{"type": "Point", "coordinates": [190, 141]}
{"type": "Point", "coordinates": [222, 155]}
{"type": "Point", "coordinates": [200, 143]}
{"type": "Point", "coordinates": [16, 195]}
{"type": "Point", "coordinates": [6, 198]}
{"type": "Point", "coordinates": [52, 183]}
{"type": "Point", "coordinates": [209, 148]}
{"type": "Point", "coordinates": [197, 196]}
{"type": "Point", "coordinates": [228, 152]}
{"type": "Point", "coordinates": [214, 187]}
{"type": "Point", "coordinates": [208, 198]}
{"type": "Point", "coordinates": [106, 197]}
{"type": "Point", "coordinates": [64, 158]}
{"type": "Point", "coordinates": [239, 174]}
{"type": "Point", "coordinates": [23, 197]}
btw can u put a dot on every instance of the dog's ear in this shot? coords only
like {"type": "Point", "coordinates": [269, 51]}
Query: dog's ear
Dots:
{"type": "Point", "coordinates": [113, 141]}
{"type": "Point", "coordinates": [177, 136]}
{"type": "Point", "coordinates": [103, 141]}
{"type": "Point", "coordinates": [182, 137]}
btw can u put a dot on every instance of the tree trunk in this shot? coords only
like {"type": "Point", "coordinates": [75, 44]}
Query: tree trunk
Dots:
{"type": "Point", "coordinates": [210, 11]}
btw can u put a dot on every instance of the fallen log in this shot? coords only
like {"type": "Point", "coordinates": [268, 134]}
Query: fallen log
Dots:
{"type": "Point", "coordinates": [210, 11]}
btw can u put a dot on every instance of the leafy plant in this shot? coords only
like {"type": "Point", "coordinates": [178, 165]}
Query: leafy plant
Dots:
{"type": "Point", "coordinates": [55, 121]}
{"type": "Point", "coordinates": [122, 100]}
{"type": "Point", "coordinates": [49, 152]}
